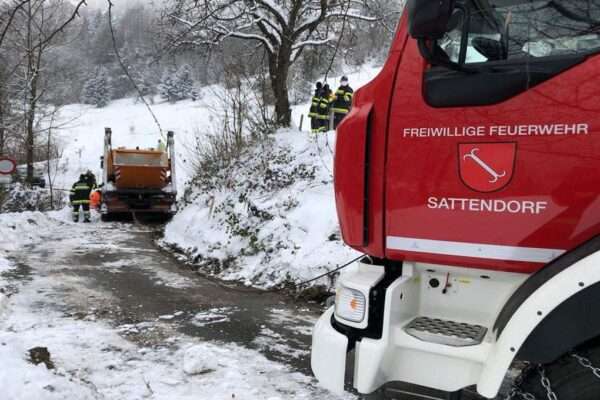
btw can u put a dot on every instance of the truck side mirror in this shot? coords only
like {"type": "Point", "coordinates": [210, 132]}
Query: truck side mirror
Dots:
{"type": "Point", "coordinates": [428, 19]}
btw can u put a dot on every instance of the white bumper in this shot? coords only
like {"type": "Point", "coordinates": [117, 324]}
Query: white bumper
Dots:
{"type": "Point", "coordinates": [399, 357]}
{"type": "Point", "coordinates": [329, 350]}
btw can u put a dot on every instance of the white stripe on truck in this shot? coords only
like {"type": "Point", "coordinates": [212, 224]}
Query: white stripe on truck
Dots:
{"type": "Point", "coordinates": [474, 250]}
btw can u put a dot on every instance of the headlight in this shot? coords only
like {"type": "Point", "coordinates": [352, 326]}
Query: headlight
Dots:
{"type": "Point", "coordinates": [350, 304]}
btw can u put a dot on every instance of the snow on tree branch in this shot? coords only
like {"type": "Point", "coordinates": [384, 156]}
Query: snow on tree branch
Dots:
{"type": "Point", "coordinates": [282, 27]}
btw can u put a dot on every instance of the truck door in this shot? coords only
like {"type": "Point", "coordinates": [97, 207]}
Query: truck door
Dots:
{"type": "Point", "coordinates": [493, 154]}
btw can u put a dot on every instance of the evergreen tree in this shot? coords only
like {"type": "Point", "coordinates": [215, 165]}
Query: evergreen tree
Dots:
{"type": "Point", "coordinates": [184, 83]}
{"type": "Point", "coordinates": [168, 85]}
{"type": "Point", "coordinates": [178, 85]}
{"type": "Point", "coordinates": [97, 90]}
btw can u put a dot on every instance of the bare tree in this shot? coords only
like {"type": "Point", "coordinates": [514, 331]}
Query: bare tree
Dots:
{"type": "Point", "coordinates": [8, 12]}
{"type": "Point", "coordinates": [53, 155]}
{"type": "Point", "coordinates": [35, 28]}
{"type": "Point", "coordinates": [283, 28]}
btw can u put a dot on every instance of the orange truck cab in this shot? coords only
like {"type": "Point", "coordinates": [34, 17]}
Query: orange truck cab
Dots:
{"type": "Point", "coordinates": [468, 173]}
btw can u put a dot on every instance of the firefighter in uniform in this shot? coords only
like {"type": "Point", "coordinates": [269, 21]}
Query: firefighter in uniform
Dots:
{"type": "Point", "coordinates": [80, 198]}
{"type": "Point", "coordinates": [324, 108]}
{"type": "Point", "coordinates": [314, 109]}
{"type": "Point", "coordinates": [342, 102]}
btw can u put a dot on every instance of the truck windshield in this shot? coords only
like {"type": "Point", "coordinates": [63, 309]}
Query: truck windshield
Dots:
{"type": "Point", "coordinates": [509, 30]}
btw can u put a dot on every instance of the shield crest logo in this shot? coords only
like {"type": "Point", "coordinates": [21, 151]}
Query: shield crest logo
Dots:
{"type": "Point", "coordinates": [487, 167]}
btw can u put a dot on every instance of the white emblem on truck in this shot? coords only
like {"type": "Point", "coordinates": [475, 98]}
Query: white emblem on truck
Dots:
{"type": "Point", "coordinates": [495, 175]}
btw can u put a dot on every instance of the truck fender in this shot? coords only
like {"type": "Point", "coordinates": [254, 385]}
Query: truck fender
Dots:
{"type": "Point", "coordinates": [537, 321]}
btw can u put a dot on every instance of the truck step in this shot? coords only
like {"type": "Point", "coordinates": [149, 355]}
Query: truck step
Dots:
{"type": "Point", "coordinates": [450, 333]}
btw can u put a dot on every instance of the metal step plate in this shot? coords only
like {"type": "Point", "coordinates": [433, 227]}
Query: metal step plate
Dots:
{"type": "Point", "coordinates": [446, 332]}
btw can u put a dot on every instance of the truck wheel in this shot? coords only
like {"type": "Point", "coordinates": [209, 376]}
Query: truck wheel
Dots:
{"type": "Point", "coordinates": [105, 218]}
{"type": "Point", "coordinates": [575, 376]}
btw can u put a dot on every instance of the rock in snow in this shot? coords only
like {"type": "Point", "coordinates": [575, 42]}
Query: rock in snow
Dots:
{"type": "Point", "coordinates": [197, 362]}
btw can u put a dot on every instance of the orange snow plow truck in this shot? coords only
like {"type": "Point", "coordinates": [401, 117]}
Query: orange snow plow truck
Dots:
{"type": "Point", "coordinates": [468, 173]}
{"type": "Point", "coordinates": [138, 181]}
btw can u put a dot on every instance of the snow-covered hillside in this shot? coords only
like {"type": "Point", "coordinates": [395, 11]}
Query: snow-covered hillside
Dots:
{"type": "Point", "coordinates": [297, 241]}
{"type": "Point", "coordinates": [81, 133]}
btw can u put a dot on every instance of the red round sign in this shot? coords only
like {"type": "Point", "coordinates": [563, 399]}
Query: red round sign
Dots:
{"type": "Point", "coordinates": [7, 166]}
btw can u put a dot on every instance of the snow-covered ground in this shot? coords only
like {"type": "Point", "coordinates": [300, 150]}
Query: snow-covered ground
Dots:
{"type": "Point", "coordinates": [60, 290]}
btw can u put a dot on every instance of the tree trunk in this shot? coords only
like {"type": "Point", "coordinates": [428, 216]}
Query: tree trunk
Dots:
{"type": "Point", "coordinates": [30, 134]}
{"type": "Point", "coordinates": [49, 167]}
{"type": "Point", "coordinates": [2, 128]}
{"type": "Point", "coordinates": [279, 69]}
{"type": "Point", "coordinates": [2, 138]}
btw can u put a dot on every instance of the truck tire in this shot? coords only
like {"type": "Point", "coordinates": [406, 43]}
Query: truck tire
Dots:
{"type": "Point", "coordinates": [105, 218]}
{"type": "Point", "coordinates": [575, 376]}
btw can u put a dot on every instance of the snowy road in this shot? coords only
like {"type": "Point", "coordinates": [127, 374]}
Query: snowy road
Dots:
{"type": "Point", "coordinates": [124, 320]}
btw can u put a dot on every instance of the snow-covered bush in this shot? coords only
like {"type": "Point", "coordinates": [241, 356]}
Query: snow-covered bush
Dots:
{"type": "Point", "coordinates": [19, 198]}
{"type": "Point", "coordinates": [97, 89]}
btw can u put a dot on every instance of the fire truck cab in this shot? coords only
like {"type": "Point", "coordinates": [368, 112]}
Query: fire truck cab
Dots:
{"type": "Point", "coordinates": [468, 172]}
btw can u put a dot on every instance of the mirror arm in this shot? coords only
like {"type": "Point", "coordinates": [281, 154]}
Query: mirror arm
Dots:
{"type": "Point", "coordinates": [429, 54]}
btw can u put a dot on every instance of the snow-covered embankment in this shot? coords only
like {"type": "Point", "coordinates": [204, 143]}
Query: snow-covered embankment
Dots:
{"type": "Point", "coordinates": [267, 220]}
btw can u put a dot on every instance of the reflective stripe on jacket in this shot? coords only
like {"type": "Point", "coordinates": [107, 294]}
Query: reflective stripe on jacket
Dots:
{"type": "Point", "coordinates": [80, 193]}
{"type": "Point", "coordinates": [343, 100]}
{"type": "Point", "coordinates": [324, 107]}
{"type": "Point", "coordinates": [314, 106]}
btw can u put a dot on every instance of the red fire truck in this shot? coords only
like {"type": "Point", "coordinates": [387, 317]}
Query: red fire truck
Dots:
{"type": "Point", "coordinates": [468, 172]}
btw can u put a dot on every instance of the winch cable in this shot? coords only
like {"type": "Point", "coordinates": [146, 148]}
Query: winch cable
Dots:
{"type": "Point", "coordinates": [233, 287]}
{"type": "Point", "coordinates": [339, 41]}
{"type": "Point", "coordinates": [320, 153]}
{"type": "Point", "coordinates": [331, 272]}
{"type": "Point", "coordinates": [126, 71]}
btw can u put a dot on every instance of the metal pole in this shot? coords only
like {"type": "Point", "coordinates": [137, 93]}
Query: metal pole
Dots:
{"type": "Point", "coordinates": [107, 149]}
{"type": "Point", "coordinates": [171, 148]}
{"type": "Point", "coordinates": [331, 120]}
